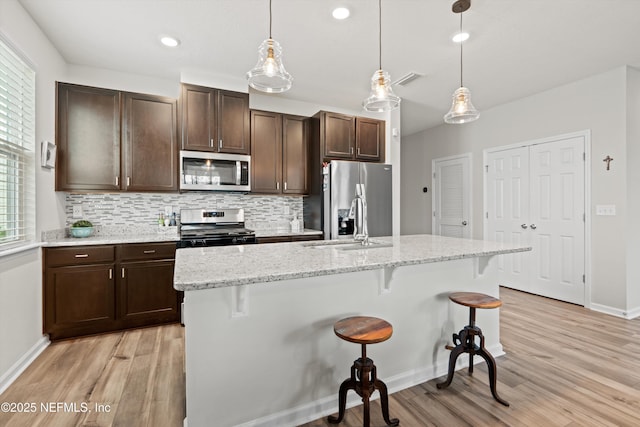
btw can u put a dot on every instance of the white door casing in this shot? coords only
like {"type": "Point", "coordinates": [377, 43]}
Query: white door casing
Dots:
{"type": "Point", "coordinates": [535, 194]}
{"type": "Point", "coordinates": [451, 196]}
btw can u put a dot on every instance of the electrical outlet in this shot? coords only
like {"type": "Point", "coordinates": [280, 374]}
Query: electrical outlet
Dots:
{"type": "Point", "coordinates": [77, 211]}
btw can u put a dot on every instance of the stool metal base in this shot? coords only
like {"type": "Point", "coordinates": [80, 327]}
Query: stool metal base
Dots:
{"type": "Point", "coordinates": [364, 381]}
{"type": "Point", "coordinates": [465, 343]}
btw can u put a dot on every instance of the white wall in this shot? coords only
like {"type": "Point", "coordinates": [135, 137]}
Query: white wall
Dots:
{"type": "Point", "coordinates": [597, 103]}
{"type": "Point", "coordinates": [633, 195]}
{"type": "Point", "coordinates": [20, 274]}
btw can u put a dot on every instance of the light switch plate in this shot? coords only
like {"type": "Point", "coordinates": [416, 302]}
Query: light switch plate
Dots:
{"type": "Point", "coordinates": [607, 210]}
{"type": "Point", "coordinates": [77, 211]}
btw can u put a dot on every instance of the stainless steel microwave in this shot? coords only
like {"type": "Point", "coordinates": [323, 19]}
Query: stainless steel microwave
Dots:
{"type": "Point", "coordinates": [205, 171]}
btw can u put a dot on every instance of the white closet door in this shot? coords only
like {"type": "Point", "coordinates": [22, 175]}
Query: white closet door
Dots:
{"type": "Point", "coordinates": [536, 196]}
{"type": "Point", "coordinates": [452, 197]}
{"type": "Point", "coordinates": [508, 212]}
{"type": "Point", "coordinates": [557, 219]}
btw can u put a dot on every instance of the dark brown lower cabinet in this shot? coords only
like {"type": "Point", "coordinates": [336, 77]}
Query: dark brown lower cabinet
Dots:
{"type": "Point", "coordinates": [102, 288]}
{"type": "Point", "coordinates": [281, 239]}
{"type": "Point", "coordinates": [142, 301]}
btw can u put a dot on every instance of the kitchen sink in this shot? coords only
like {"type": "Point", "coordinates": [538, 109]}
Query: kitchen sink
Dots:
{"type": "Point", "coordinates": [348, 245]}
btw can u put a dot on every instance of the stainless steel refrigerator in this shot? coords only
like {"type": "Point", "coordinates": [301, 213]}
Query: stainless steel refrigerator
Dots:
{"type": "Point", "coordinates": [339, 189]}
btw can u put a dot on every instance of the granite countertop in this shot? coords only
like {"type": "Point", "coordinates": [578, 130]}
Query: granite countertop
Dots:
{"type": "Point", "coordinates": [214, 267]}
{"type": "Point", "coordinates": [112, 236]}
{"type": "Point", "coordinates": [277, 232]}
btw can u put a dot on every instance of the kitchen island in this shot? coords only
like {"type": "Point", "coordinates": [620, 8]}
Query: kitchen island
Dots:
{"type": "Point", "coordinates": [259, 341]}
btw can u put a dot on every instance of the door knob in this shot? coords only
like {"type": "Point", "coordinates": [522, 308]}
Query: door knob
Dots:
{"type": "Point", "coordinates": [464, 222]}
{"type": "Point", "coordinates": [523, 226]}
{"type": "Point", "coordinates": [533, 226]}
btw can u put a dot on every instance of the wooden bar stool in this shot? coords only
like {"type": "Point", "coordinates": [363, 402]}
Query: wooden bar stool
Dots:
{"type": "Point", "coordinates": [465, 339]}
{"type": "Point", "coordinates": [364, 380]}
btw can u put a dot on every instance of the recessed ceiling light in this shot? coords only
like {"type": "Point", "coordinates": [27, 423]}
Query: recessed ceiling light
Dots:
{"type": "Point", "coordinates": [340, 13]}
{"type": "Point", "coordinates": [460, 37]}
{"type": "Point", "coordinates": [169, 41]}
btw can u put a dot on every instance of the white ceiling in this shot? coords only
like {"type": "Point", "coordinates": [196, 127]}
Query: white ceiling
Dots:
{"type": "Point", "coordinates": [517, 47]}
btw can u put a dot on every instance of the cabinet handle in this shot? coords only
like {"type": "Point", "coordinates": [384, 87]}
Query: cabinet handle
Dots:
{"type": "Point", "coordinates": [110, 273]}
{"type": "Point", "coordinates": [211, 143]}
{"type": "Point", "coordinates": [285, 186]}
{"type": "Point", "coordinates": [123, 272]}
{"type": "Point", "coordinates": [149, 252]}
{"type": "Point", "coordinates": [278, 185]}
{"type": "Point", "coordinates": [358, 151]}
{"type": "Point", "coordinates": [220, 144]}
{"type": "Point", "coordinates": [350, 150]}
{"type": "Point", "coordinates": [128, 181]}
{"type": "Point", "coordinates": [82, 255]}
{"type": "Point", "coordinates": [117, 181]}
{"type": "Point", "coordinates": [533, 226]}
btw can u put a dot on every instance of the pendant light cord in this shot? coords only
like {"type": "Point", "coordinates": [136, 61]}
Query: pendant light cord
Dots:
{"type": "Point", "coordinates": [270, 19]}
{"type": "Point", "coordinates": [461, 42]}
{"type": "Point", "coordinates": [380, 33]}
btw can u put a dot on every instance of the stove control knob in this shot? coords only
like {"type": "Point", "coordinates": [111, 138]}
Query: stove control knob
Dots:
{"type": "Point", "coordinates": [234, 240]}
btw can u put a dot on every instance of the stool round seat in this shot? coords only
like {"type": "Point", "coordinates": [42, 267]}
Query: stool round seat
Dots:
{"type": "Point", "coordinates": [475, 300]}
{"type": "Point", "coordinates": [363, 329]}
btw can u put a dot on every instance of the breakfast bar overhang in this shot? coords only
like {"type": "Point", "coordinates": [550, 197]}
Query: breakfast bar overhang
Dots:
{"type": "Point", "coordinates": [259, 341]}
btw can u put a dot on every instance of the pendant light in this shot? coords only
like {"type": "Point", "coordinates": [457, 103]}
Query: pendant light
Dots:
{"type": "Point", "coordinates": [269, 74]}
{"type": "Point", "coordinates": [462, 110]}
{"type": "Point", "coordinates": [381, 97]}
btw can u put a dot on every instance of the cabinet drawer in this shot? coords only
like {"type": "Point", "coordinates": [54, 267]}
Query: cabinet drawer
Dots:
{"type": "Point", "coordinates": [142, 251]}
{"type": "Point", "coordinates": [79, 255]}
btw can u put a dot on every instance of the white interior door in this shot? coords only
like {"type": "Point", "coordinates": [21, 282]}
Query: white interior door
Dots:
{"type": "Point", "coordinates": [508, 212]}
{"type": "Point", "coordinates": [452, 196]}
{"type": "Point", "coordinates": [557, 219]}
{"type": "Point", "coordinates": [536, 196]}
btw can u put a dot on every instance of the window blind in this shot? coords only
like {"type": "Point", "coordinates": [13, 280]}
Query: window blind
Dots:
{"type": "Point", "coordinates": [17, 160]}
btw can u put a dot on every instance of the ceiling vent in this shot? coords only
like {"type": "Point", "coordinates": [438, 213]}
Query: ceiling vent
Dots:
{"type": "Point", "coordinates": [406, 79]}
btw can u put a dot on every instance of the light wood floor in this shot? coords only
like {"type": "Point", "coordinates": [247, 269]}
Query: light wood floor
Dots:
{"type": "Point", "coordinates": [565, 366]}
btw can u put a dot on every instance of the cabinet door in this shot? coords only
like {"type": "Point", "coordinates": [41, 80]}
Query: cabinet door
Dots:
{"type": "Point", "coordinates": [79, 300]}
{"type": "Point", "coordinates": [150, 143]}
{"type": "Point", "coordinates": [339, 136]}
{"type": "Point", "coordinates": [198, 112]}
{"type": "Point", "coordinates": [369, 139]}
{"type": "Point", "coordinates": [88, 138]}
{"type": "Point", "coordinates": [266, 146]}
{"type": "Point", "coordinates": [294, 154]}
{"type": "Point", "coordinates": [233, 122]}
{"type": "Point", "coordinates": [146, 294]}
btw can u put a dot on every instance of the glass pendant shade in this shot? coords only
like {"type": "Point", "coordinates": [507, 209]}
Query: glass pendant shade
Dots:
{"type": "Point", "coordinates": [381, 97]}
{"type": "Point", "coordinates": [269, 74]}
{"type": "Point", "coordinates": [462, 110]}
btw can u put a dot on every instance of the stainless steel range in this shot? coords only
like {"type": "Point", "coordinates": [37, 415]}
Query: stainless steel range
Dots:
{"type": "Point", "coordinates": [215, 227]}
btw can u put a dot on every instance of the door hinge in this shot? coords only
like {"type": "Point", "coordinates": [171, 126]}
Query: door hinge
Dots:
{"type": "Point", "coordinates": [486, 168]}
{"type": "Point", "coordinates": [584, 156]}
{"type": "Point", "coordinates": [434, 213]}
{"type": "Point", "coordinates": [434, 175]}
{"type": "Point", "coordinates": [583, 278]}
{"type": "Point", "coordinates": [486, 215]}
{"type": "Point", "coordinates": [584, 217]}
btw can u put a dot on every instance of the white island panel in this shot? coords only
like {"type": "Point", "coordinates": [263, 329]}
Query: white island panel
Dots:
{"type": "Point", "coordinates": [281, 364]}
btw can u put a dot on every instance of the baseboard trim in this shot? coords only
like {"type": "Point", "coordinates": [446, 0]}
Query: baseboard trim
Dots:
{"type": "Point", "coordinates": [625, 314]}
{"type": "Point", "coordinates": [328, 405]}
{"type": "Point", "coordinates": [23, 363]}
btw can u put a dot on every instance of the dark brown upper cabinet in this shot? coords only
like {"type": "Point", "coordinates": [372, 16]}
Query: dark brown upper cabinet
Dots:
{"type": "Point", "coordinates": [110, 141]}
{"type": "Point", "coordinates": [150, 145]}
{"type": "Point", "coordinates": [214, 120]}
{"type": "Point", "coordinates": [344, 137]}
{"type": "Point", "coordinates": [279, 147]}
{"type": "Point", "coordinates": [87, 138]}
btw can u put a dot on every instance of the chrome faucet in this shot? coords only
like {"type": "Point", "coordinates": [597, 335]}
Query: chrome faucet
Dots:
{"type": "Point", "coordinates": [358, 211]}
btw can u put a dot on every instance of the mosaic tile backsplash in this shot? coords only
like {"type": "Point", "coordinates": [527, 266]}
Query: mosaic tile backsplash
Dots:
{"type": "Point", "coordinates": [143, 209]}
